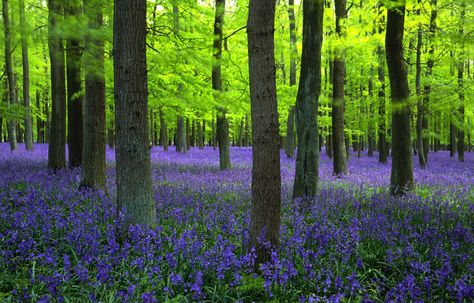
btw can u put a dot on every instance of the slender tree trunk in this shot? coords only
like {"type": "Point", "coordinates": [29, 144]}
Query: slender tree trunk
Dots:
{"type": "Point", "coordinates": [39, 122]}
{"type": "Point", "coordinates": [193, 133]}
{"type": "Point", "coordinates": [180, 135]}
{"type": "Point", "coordinates": [163, 132]}
{"type": "Point", "coordinates": [461, 87]}
{"type": "Point", "coordinates": [290, 133]}
{"type": "Point", "coordinates": [199, 134]}
{"type": "Point", "coordinates": [222, 125]}
{"type": "Point", "coordinates": [57, 137]}
{"type": "Point", "coordinates": [452, 135]}
{"type": "Point", "coordinates": [94, 164]}
{"type": "Point", "coordinates": [293, 49]}
{"type": "Point", "coordinates": [26, 78]}
{"type": "Point", "coordinates": [134, 190]}
{"type": "Point", "coordinates": [402, 161]}
{"type": "Point", "coordinates": [266, 178]}
{"type": "Point", "coordinates": [339, 70]}
{"type": "Point", "coordinates": [188, 137]}
{"type": "Point", "coordinates": [306, 176]}
{"type": "Point", "coordinates": [419, 104]}
{"type": "Point", "coordinates": [9, 70]}
{"type": "Point", "coordinates": [382, 130]}
{"type": "Point", "coordinates": [223, 140]}
{"type": "Point", "coordinates": [74, 91]}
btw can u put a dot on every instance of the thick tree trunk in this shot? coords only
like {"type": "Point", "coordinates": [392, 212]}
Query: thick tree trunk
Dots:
{"type": "Point", "coordinates": [402, 161]}
{"type": "Point", "coordinates": [223, 140]}
{"type": "Point", "coordinates": [26, 78]}
{"type": "Point", "coordinates": [339, 70]}
{"type": "Point", "coordinates": [306, 176]}
{"type": "Point", "coordinates": [94, 163]}
{"type": "Point", "coordinates": [290, 133]}
{"type": "Point", "coordinates": [266, 177]}
{"type": "Point", "coordinates": [74, 90]}
{"type": "Point", "coordinates": [134, 190]}
{"type": "Point", "coordinates": [57, 137]}
{"type": "Point", "coordinates": [11, 126]}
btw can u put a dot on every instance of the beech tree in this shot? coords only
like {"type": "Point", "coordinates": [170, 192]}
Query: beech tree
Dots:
{"type": "Point", "coordinates": [134, 190]}
{"type": "Point", "coordinates": [266, 177]}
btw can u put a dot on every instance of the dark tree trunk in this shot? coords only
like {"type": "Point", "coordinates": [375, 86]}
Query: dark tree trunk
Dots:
{"type": "Point", "coordinates": [290, 133]}
{"type": "Point", "coordinates": [26, 78]}
{"type": "Point", "coordinates": [193, 133]}
{"type": "Point", "coordinates": [339, 70]}
{"type": "Point", "coordinates": [266, 178]}
{"type": "Point", "coordinates": [213, 134]}
{"type": "Point", "coordinates": [134, 190]}
{"type": "Point", "coordinates": [180, 135]}
{"type": "Point", "coordinates": [452, 135]}
{"type": "Point", "coordinates": [74, 90]}
{"type": "Point", "coordinates": [111, 130]}
{"type": "Point", "coordinates": [94, 163]}
{"type": "Point", "coordinates": [188, 137]}
{"type": "Point", "coordinates": [306, 176]}
{"type": "Point", "coordinates": [57, 137]}
{"type": "Point", "coordinates": [9, 71]}
{"type": "Point", "coordinates": [293, 49]}
{"type": "Point", "coordinates": [402, 161]}
{"type": "Point", "coordinates": [203, 132]}
{"type": "Point", "coordinates": [461, 88]}
{"type": "Point", "coordinates": [223, 140]}
{"type": "Point", "coordinates": [419, 104]}
{"type": "Point", "coordinates": [382, 131]}
{"type": "Point", "coordinates": [163, 132]}
{"type": "Point", "coordinates": [222, 125]}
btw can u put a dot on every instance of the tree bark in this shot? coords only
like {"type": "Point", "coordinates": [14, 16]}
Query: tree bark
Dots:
{"type": "Point", "coordinates": [290, 133]}
{"type": "Point", "coordinates": [10, 77]}
{"type": "Point", "coordinates": [57, 137]}
{"type": "Point", "coordinates": [293, 49]}
{"type": "Point", "coordinates": [266, 177]}
{"type": "Point", "coordinates": [134, 190]}
{"type": "Point", "coordinates": [402, 162]}
{"type": "Point", "coordinates": [188, 137]}
{"type": "Point", "coordinates": [339, 70]}
{"type": "Point", "coordinates": [26, 78]}
{"type": "Point", "coordinates": [180, 135]}
{"type": "Point", "coordinates": [74, 91]}
{"type": "Point", "coordinates": [419, 103]}
{"type": "Point", "coordinates": [222, 125]}
{"type": "Point", "coordinates": [306, 176]}
{"type": "Point", "coordinates": [223, 140]}
{"type": "Point", "coordinates": [94, 162]}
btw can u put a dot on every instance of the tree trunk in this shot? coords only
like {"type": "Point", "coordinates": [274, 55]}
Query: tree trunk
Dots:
{"type": "Point", "coordinates": [339, 70]}
{"type": "Point", "coordinates": [134, 189]}
{"type": "Point", "coordinates": [306, 176]}
{"type": "Point", "coordinates": [402, 161]}
{"type": "Point", "coordinates": [293, 49]}
{"type": "Point", "coordinates": [94, 162]}
{"type": "Point", "coordinates": [290, 133]}
{"type": "Point", "coordinates": [222, 125]}
{"type": "Point", "coordinates": [382, 127]}
{"type": "Point", "coordinates": [74, 90]}
{"type": "Point", "coordinates": [26, 78]}
{"type": "Point", "coordinates": [9, 70]}
{"type": "Point", "coordinates": [39, 122]}
{"type": "Point", "coordinates": [266, 177]}
{"type": "Point", "coordinates": [452, 135]}
{"type": "Point", "coordinates": [223, 140]}
{"type": "Point", "coordinates": [163, 132]}
{"type": "Point", "coordinates": [57, 137]}
{"type": "Point", "coordinates": [188, 133]}
{"type": "Point", "coordinates": [180, 135]}
{"type": "Point", "coordinates": [419, 104]}
{"type": "Point", "coordinates": [193, 133]}
{"type": "Point", "coordinates": [461, 87]}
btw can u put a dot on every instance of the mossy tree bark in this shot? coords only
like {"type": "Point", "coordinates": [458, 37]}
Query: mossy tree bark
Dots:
{"type": "Point", "coordinates": [94, 162]}
{"type": "Point", "coordinates": [306, 176]}
{"type": "Point", "coordinates": [290, 133]}
{"type": "Point", "coordinates": [266, 177]}
{"type": "Point", "coordinates": [134, 190]}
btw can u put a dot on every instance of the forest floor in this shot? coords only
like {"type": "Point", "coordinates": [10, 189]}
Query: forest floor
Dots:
{"type": "Point", "coordinates": [353, 243]}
